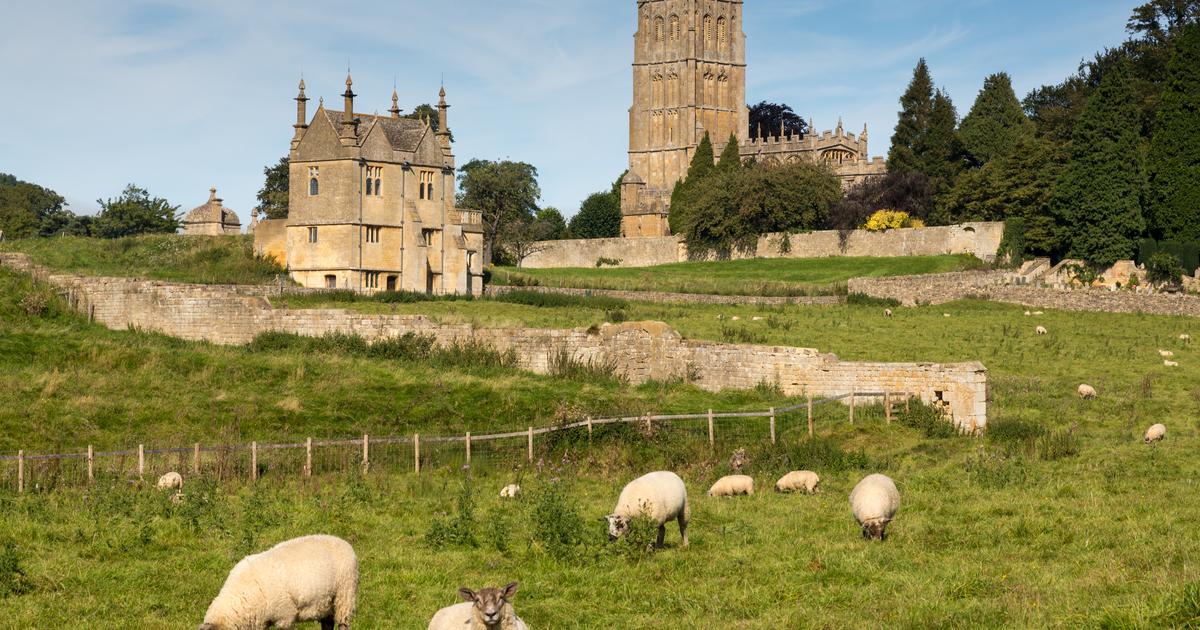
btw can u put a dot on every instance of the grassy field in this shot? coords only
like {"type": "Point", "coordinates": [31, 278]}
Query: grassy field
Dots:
{"type": "Point", "coordinates": [1060, 517]}
{"type": "Point", "coordinates": [760, 276]}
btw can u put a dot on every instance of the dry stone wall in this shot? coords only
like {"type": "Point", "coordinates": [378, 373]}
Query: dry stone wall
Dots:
{"type": "Point", "coordinates": [640, 351]}
{"type": "Point", "coordinates": [679, 298]}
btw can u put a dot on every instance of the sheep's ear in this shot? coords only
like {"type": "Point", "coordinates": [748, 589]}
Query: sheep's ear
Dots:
{"type": "Point", "coordinates": [510, 590]}
{"type": "Point", "coordinates": [467, 594]}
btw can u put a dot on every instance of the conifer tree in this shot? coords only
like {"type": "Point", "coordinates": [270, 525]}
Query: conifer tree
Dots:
{"type": "Point", "coordinates": [1173, 193]}
{"type": "Point", "coordinates": [731, 157]}
{"type": "Point", "coordinates": [995, 122]}
{"type": "Point", "coordinates": [1098, 193]}
{"type": "Point", "coordinates": [916, 108]}
{"type": "Point", "coordinates": [703, 163]}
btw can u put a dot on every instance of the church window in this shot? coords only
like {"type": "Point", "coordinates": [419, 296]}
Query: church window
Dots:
{"type": "Point", "coordinates": [426, 185]}
{"type": "Point", "coordinates": [674, 28]}
{"type": "Point", "coordinates": [370, 186]}
{"type": "Point", "coordinates": [312, 235]}
{"type": "Point", "coordinates": [427, 237]}
{"type": "Point", "coordinates": [374, 180]}
{"type": "Point", "coordinates": [722, 32]}
{"type": "Point", "coordinates": [372, 234]}
{"type": "Point", "coordinates": [314, 186]}
{"type": "Point", "coordinates": [658, 29]}
{"type": "Point", "coordinates": [371, 279]}
{"type": "Point", "coordinates": [708, 29]}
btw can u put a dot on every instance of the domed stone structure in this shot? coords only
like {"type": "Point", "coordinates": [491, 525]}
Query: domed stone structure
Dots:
{"type": "Point", "coordinates": [211, 219]}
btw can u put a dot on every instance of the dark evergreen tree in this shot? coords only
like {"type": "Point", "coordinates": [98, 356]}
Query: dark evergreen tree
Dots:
{"type": "Point", "coordinates": [703, 164]}
{"type": "Point", "coordinates": [995, 123]}
{"type": "Point", "coordinates": [1098, 195]}
{"type": "Point", "coordinates": [941, 155]}
{"type": "Point", "coordinates": [273, 196]}
{"type": "Point", "coordinates": [1173, 165]}
{"type": "Point", "coordinates": [731, 156]}
{"type": "Point", "coordinates": [916, 108]}
{"type": "Point", "coordinates": [769, 117]}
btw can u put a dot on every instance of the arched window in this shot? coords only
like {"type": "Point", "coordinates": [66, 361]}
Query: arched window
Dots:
{"type": "Point", "coordinates": [708, 29]}
{"type": "Point", "coordinates": [378, 186]}
{"type": "Point", "coordinates": [370, 186]}
{"type": "Point", "coordinates": [658, 29]}
{"type": "Point", "coordinates": [722, 32]}
{"type": "Point", "coordinates": [313, 187]}
{"type": "Point", "coordinates": [674, 28]}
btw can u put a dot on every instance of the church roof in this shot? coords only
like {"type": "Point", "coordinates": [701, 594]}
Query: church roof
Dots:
{"type": "Point", "coordinates": [404, 134]}
{"type": "Point", "coordinates": [212, 212]}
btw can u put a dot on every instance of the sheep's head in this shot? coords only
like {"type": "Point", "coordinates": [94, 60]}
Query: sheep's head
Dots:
{"type": "Point", "coordinates": [616, 525]}
{"type": "Point", "coordinates": [490, 602]}
{"type": "Point", "coordinates": [875, 530]}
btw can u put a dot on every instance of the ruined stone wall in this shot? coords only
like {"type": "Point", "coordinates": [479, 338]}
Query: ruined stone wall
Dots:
{"type": "Point", "coordinates": [640, 351]}
{"type": "Point", "coordinates": [979, 239]}
{"type": "Point", "coordinates": [679, 298]}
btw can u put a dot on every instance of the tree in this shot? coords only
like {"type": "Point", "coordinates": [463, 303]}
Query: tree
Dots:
{"type": "Point", "coordinates": [1098, 193]}
{"type": "Point", "coordinates": [766, 119]}
{"type": "Point", "coordinates": [503, 191]}
{"type": "Point", "coordinates": [1173, 165]}
{"type": "Point", "coordinates": [273, 196]}
{"type": "Point", "coordinates": [599, 215]}
{"type": "Point", "coordinates": [1053, 109]}
{"type": "Point", "coordinates": [425, 111]}
{"type": "Point", "coordinates": [916, 108]}
{"type": "Point", "coordinates": [525, 237]}
{"type": "Point", "coordinates": [995, 123]}
{"type": "Point", "coordinates": [940, 157]}
{"type": "Point", "coordinates": [133, 213]}
{"type": "Point", "coordinates": [550, 224]}
{"type": "Point", "coordinates": [63, 222]}
{"type": "Point", "coordinates": [24, 207]}
{"type": "Point", "coordinates": [906, 192]}
{"type": "Point", "coordinates": [703, 163]}
{"type": "Point", "coordinates": [731, 155]}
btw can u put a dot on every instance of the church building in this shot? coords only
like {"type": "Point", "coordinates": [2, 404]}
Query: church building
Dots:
{"type": "Point", "coordinates": [689, 78]}
{"type": "Point", "coordinates": [371, 205]}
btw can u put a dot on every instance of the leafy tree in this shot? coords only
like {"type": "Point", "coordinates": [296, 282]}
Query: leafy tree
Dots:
{"type": "Point", "coordinates": [550, 224]}
{"type": "Point", "coordinates": [911, 193]}
{"type": "Point", "coordinates": [1053, 109]}
{"type": "Point", "coordinates": [135, 212]}
{"type": "Point", "coordinates": [525, 237]}
{"type": "Point", "coordinates": [1098, 193]}
{"type": "Point", "coordinates": [731, 155]}
{"type": "Point", "coordinates": [425, 111]}
{"type": "Point", "coordinates": [502, 191]}
{"type": "Point", "coordinates": [768, 117]}
{"type": "Point", "coordinates": [24, 207]}
{"type": "Point", "coordinates": [916, 108]}
{"type": "Point", "coordinates": [1164, 268]}
{"type": "Point", "coordinates": [995, 123]}
{"type": "Point", "coordinates": [63, 222]}
{"type": "Point", "coordinates": [1173, 165]}
{"type": "Point", "coordinates": [703, 163]}
{"type": "Point", "coordinates": [1159, 21]}
{"type": "Point", "coordinates": [273, 196]}
{"type": "Point", "coordinates": [599, 215]}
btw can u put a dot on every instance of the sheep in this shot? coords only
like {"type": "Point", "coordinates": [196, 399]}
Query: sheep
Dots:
{"type": "Point", "coordinates": [887, 312]}
{"type": "Point", "coordinates": [487, 609]}
{"type": "Point", "coordinates": [798, 480]}
{"type": "Point", "coordinates": [1038, 313]}
{"type": "Point", "coordinates": [732, 485]}
{"type": "Point", "coordinates": [1041, 330]}
{"type": "Point", "coordinates": [1166, 354]}
{"type": "Point", "coordinates": [1170, 363]}
{"type": "Point", "coordinates": [661, 496]}
{"type": "Point", "coordinates": [170, 481]}
{"type": "Point", "coordinates": [1155, 434]}
{"type": "Point", "coordinates": [510, 491]}
{"type": "Point", "coordinates": [945, 314]}
{"type": "Point", "coordinates": [313, 578]}
{"type": "Point", "coordinates": [735, 318]}
{"type": "Point", "coordinates": [1087, 391]}
{"type": "Point", "coordinates": [1186, 338]}
{"type": "Point", "coordinates": [874, 502]}
{"type": "Point", "coordinates": [756, 319]}
{"type": "Point", "coordinates": [1027, 313]}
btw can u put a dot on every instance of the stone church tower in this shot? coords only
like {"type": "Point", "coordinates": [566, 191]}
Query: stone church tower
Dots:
{"type": "Point", "coordinates": [689, 77]}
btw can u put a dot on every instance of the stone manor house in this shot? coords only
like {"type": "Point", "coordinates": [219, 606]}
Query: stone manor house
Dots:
{"type": "Point", "coordinates": [371, 205]}
{"type": "Point", "coordinates": [689, 78]}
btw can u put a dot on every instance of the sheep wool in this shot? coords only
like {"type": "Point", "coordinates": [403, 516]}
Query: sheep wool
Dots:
{"type": "Point", "coordinates": [875, 502]}
{"type": "Point", "coordinates": [1155, 433]}
{"type": "Point", "coordinates": [660, 495]}
{"type": "Point", "coordinates": [170, 481]}
{"type": "Point", "coordinates": [489, 609]}
{"type": "Point", "coordinates": [1166, 354]}
{"type": "Point", "coordinates": [313, 578]}
{"type": "Point", "coordinates": [732, 485]}
{"type": "Point", "coordinates": [1170, 363]}
{"type": "Point", "coordinates": [799, 481]}
{"type": "Point", "coordinates": [510, 491]}
{"type": "Point", "coordinates": [1041, 330]}
{"type": "Point", "coordinates": [1087, 391]}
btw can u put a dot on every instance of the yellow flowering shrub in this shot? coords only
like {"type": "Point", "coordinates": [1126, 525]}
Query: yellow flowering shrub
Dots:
{"type": "Point", "coordinates": [884, 220]}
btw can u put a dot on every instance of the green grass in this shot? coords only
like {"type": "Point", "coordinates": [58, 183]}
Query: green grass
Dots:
{"type": "Point", "coordinates": [759, 276]}
{"type": "Point", "coordinates": [196, 259]}
{"type": "Point", "coordinates": [1059, 518]}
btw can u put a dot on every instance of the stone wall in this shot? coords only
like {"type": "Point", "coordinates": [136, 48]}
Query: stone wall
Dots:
{"type": "Point", "coordinates": [640, 351]}
{"type": "Point", "coordinates": [679, 298]}
{"type": "Point", "coordinates": [979, 239]}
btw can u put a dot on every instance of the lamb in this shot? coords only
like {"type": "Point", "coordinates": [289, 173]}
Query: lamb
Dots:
{"type": "Point", "coordinates": [488, 609]}
{"type": "Point", "coordinates": [510, 491]}
{"type": "Point", "coordinates": [313, 578]}
{"type": "Point", "coordinates": [1155, 434]}
{"type": "Point", "coordinates": [1170, 363]}
{"type": "Point", "coordinates": [1166, 354]}
{"type": "Point", "coordinates": [1087, 391]}
{"type": "Point", "coordinates": [660, 495]}
{"type": "Point", "coordinates": [887, 312]}
{"type": "Point", "coordinates": [875, 501]}
{"type": "Point", "coordinates": [732, 485]}
{"type": "Point", "coordinates": [1041, 330]}
{"type": "Point", "coordinates": [170, 481]}
{"type": "Point", "coordinates": [799, 480]}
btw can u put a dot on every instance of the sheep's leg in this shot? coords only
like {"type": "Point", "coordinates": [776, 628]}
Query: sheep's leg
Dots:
{"type": "Point", "coordinates": [327, 624]}
{"type": "Point", "coordinates": [662, 534]}
{"type": "Point", "coordinates": [683, 528]}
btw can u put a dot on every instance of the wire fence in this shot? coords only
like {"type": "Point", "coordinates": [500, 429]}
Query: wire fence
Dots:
{"type": "Point", "coordinates": [529, 447]}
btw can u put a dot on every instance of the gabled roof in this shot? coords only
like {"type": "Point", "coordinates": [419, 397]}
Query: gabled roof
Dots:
{"type": "Point", "coordinates": [212, 212]}
{"type": "Point", "coordinates": [403, 134]}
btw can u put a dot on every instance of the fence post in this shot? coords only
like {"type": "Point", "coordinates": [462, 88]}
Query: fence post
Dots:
{"type": "Point", "coordinates": [906, 399]}
{"type": "Point", "coordinates": [530, 445]}
{"type": "Point", "coordinates": [91, 464]}
{"type": "Point", "coordinates": [417, 452]}
{"type": "Point", "coordinates": [711, 441]}
{"type": "Point", "coordinates": [468, 442]}
{"type": "Point", "coordinates": [887, 407]}
{"type": "Point", "coordinates": [21, 472]}
{"type": "Point", "coordinates": [851, 407]}
{"type": "Point", "coordinates": [772, 425]}
{"type": "Point", "coordinates": [810, 415]}
{"type": "Point", "coordinates": [308, 458]}
{"type": "Point", "coordinates": [254, 461]}
{"type": "Point", "coordinates": [196, 458]}
{"type": "Point", "coordinates": [589, 425]}
{"type": "Point", "coordinates": [366, 454]}
{"type": "Point", "coordinates": [141, 461]}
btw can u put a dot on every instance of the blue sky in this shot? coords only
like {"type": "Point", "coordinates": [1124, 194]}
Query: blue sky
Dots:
{"type": "Point", "coordinates": [178, 96]}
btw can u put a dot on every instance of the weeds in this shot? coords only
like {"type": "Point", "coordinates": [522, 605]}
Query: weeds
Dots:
{"type": "Point", "coordinates": [990, 469]}
{"type": "Point", "coordinates": [860, 299]}
{"type": "Point", "coordinates": [457, 529]}
{"type": "Point", "coordinates": [563, 364]}
{"type": "Point", "coordinates": [931, 422]}
{"type": "Point", "coordinates": [1058, 444]}
{"type": "Point", "coordinates": [556, 521]}
{"type": "Point", "coordinates": [13, 579]}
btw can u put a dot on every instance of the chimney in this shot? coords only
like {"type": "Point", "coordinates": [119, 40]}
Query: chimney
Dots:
{"type": "Point", "coordinates": [349, 135]}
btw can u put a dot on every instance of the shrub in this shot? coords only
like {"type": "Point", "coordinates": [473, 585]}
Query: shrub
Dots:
{"type": "Point", "coordinates": [1164, 268]}
{"type": "Point", "coordinates": [611, 262]}
{"type": "Point", "coordinates": [1012, 244]}
{"type": "Point", "coordinates": [1014, 432]}
{"type": "Point", "coordinates": [884, 220]}
{"type": "Point", "coordinates": [456, 529]}
{"type": "Point", "coordinates": [556, 521]}
{"type": "Point", "coordinates": [563, 364]}
{"type": "Point", "coordinates": [861, 299]}
{"type": "Point", "coordinates": [928, 420]}
{"type": "Point", "coordinates": [1058, 444]}
{"type": "Point", "coordinates": [640, 537]}
{"type": "Point", "coordinates": [13, 579]}
{"type": "Point", "coordinates": [36, 303]}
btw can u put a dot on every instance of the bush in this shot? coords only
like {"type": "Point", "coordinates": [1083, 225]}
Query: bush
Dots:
{"type": "Point", "coordinates": [883, 220]}
{"type": "Point", "coordinates": [13, 579]}
{"type": "Point", "coordinates": [1164, 268]}
{"type": "Point", "coordinates": [457, 529]}
{"type": "Point", "coordinates": [611, 262]}
{"type": "Point", "coordinates": [861, 299]}
{"type": "Point", "coordinates": [1058, 444]}
{"type": "Point", "coordinates": [556, 521]}
{"type": "Point", "coordinates": [1012, 244]}
{"type": "Point", "coordinates": [928, 420]}
{"type": "Point", "coordinates": [563, 364]}
{"type": "Point", "coordinates": [640, 538]}
{"type": "Point", "coordinates": [1014, 432]}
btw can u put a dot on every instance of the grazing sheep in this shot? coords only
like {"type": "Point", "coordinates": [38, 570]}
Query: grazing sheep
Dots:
{"type": "Point", "coordinates": [1186, 338]}
{"type": "Point", "coordinates": [510, 491]}
{"type": "Point", "coordinates": [170, 481]}
{"type": "Point", "coordinates": [875, 501]}
{"type": "Point", "coordinates": [488, 609]}
{"type": "Point", "coordinates": [1041, 330]}
{"type": "Point", "coordinates": [945, 314]}
{"type": "Point", "coordinates": [1038, 313]}
{"type": "Point", "coordinates": [887, 312]}
{"type": "Point", "coordinates": [732, 485]}
{"type": "Point", "coordinates": [661, 495]}
{"type": "Point", "coordinates": [1166, 354]}
{"type": "Point", "coordinates": [735, 318]}
{"type": "Point", "coordinates": [1087, 391]}
{"type": "Point", "coordinates": [1170, 363]}
{"type": "Point", "coordinates": [799, 480]}
{"type": "Point", "coordinates": [1027, 313]}
{"type": "Point", "coordinates": [1155, 434]}
{"type": "Point", "coordinates": [313, 578]}
{"type": "Point", "coordinates": [756, 319]}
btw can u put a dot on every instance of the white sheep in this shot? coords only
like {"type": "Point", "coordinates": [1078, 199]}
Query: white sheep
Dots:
{"type": "Point", "coordinates": [510, 491]}
{"type": "Point", "coordinates": [488, 609]}
{"type": "Point", "coordinates": [660, 495]}
{"type": "Point", "coordinates": [756, 319]}
{"type": "Point", "coordinates": [799, 480]}
{"type": "Point", "coordinates": [1155, 434]}
{"type": "Point", "coordinates": [1041, 330]}
{"type": "Point", "coordinates": [1027, 313]}
{"type": "Point", "coordinates": [732, 485]}
{"type": "Point", "coordinates": [1170, 363]}
{"type": "Point", "coordinates": [1087, 391]}
{"type": "Point", "coordinates": [170, 481]}
{"type": "Point", "coordinates": [945, 314]}
{"type": "Point", "coordinates": [887, 312]}
{"type": "Point", "coordinates": [735, 318]}
{"type": "Point", "coordinates": [875, 502]}
{"type": "Point", "coordinates": [1166, 354]}
{"type": "Point", "coordinates": [1038, 313]}
{"type": "Point", "coordinates": [1186, 338]}
{"type": "Point", "coordinates": [313, 578]}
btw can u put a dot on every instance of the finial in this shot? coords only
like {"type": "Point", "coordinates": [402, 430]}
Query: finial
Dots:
{"type": "Point", "coordinates": [301, 87]}
{"type": "Point", "coordinates": [840, 128]}
{"type": "Point", "coordinates": [395, 110]}
{"type": "Point", "coordinates": [321, 101]}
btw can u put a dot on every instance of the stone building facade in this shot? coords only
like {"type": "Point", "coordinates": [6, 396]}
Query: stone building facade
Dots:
{"type": "Point", "coordinates": [689, 79]}
{"type": "Point", "coordinates": [211, 219]}
{"type": "Point", "coordinates": [371, 205]}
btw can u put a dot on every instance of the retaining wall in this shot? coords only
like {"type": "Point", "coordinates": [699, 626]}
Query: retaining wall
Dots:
{"type": "Point", "coordinates": [678, 298]}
